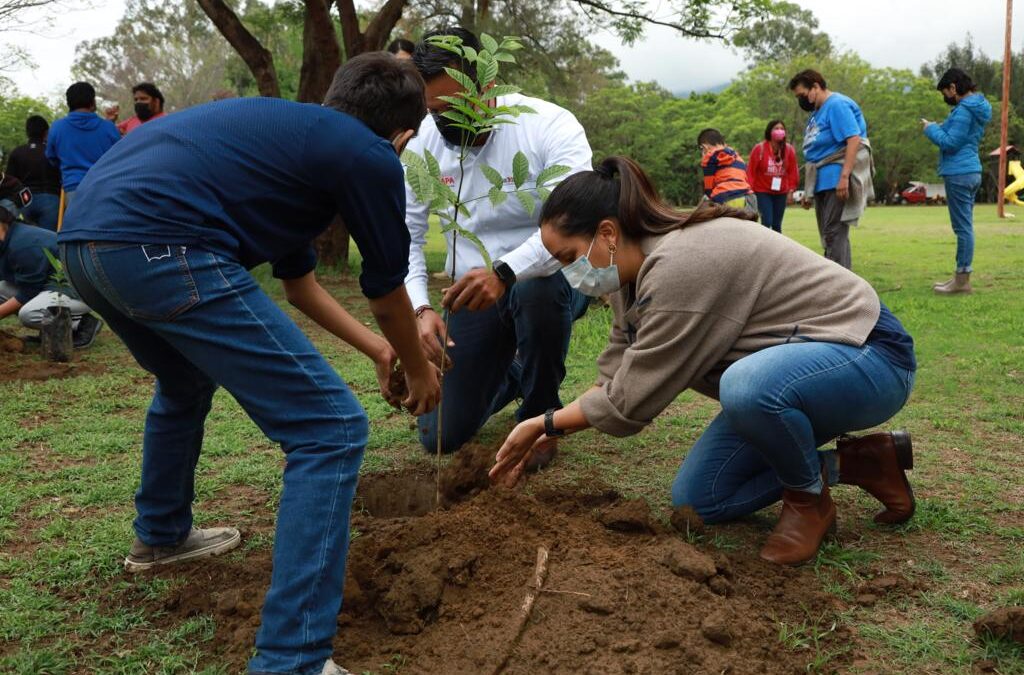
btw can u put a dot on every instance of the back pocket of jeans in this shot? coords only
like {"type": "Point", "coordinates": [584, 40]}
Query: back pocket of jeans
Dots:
{"type": "Point", "coordinates": [150, 281]}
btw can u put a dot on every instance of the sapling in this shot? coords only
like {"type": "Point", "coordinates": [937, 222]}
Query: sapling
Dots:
{"type": "Point", "coordinates": [55, 335]}
{"type": "Point", "coordinates": [476, 110]}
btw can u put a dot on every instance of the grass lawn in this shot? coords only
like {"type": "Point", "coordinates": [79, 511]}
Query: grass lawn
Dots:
{"type": "Point", "coordinates": [69, 464]}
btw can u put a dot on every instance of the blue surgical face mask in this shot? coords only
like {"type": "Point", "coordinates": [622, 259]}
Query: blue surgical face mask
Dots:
{"type": "Point", "coordinates": [590, 280]}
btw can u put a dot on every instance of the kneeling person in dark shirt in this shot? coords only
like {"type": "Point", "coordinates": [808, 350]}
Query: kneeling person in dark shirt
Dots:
{"type": "Point", "coordinates": [27, 287]}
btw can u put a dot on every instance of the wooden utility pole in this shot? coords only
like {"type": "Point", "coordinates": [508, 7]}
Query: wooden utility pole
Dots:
{"type": "Point", "coordinates": [1005, 120]}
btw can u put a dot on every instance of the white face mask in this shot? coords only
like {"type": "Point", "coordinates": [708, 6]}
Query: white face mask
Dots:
{"type": "Point", "coordinates": [590, 280]}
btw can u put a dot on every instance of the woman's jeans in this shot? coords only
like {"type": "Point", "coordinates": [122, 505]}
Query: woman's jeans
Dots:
{"type": "Point", "coordinates": [196, 320]}
{"type": "Point", "coordinates": [772, 209]}
{"type": "Point", "coordinates": [960, 194]}
{"type": "Point", "coordinates": [778, 406]}
{"type": "Point", "coordinates": [516, 348]}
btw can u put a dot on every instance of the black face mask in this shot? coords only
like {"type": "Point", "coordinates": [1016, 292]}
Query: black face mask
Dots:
{"type": "Point", "coordinates": [143, 111]}
{"type": "Point", "coordinates": [805, 103]}
{"type": "Point", "coordinates": [950, 100]}
{"type": "Point", "coordinates": [448, 130]}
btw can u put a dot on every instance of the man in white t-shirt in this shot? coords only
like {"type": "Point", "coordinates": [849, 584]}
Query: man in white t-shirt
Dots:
{"type": "Point", "coordinates": [510, 324]}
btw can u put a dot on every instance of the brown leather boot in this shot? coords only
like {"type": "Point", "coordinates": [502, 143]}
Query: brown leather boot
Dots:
{"type": "Point", "coordinates": [806, 519]}
{"type": "Point", "coordinates": [961, 284]}
{"type": "Point", "coordinates": [877, 463]}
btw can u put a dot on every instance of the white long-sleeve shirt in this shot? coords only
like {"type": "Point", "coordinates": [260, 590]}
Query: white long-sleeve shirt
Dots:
{"type": "Point", "coordinates": [549, 137]}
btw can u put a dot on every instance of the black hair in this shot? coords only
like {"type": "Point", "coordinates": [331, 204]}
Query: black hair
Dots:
{"type": "Point", "coordinates": [36, 127]}
{"type": "Point", "coordinates": [807, 78]}
{"type": "Point", "coordinates": [431, 60]}
{"type": "Point", "coordinates": [81, 95]}
{"type": "Point", "coordinates": [401, 45]}
{"type": "Point", "coordinates": [710, 137]}
{"type": "Point", "coordinates": [150, 89]}
{"type": "Point", "coordinates": [620, 189]}
{"type": "Point", "coordinates": [383, 92]}
{"type": "Point", "coordinates": [772, 125]}
{"type": "Point", "coordinates": [959, 79]}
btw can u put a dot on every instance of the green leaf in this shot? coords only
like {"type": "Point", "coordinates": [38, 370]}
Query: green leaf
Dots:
{"type": "Point", "coordinates": [543, 193]}
{"type": "Point", "coordinates": [493, 175]}
{"type": "Point", "coordinates": [520, 169]}
{"type": "Point", "coordinates": [551, 173]}
{"type": "Point", "coordinates": [463, 232]}
{"type": "Point", "coordinates": [497, 196]}
{"type": "Point", "coordinates": [411, 159]}
{"type": "Point", "coordinates": [450, 43]}
{"type": "Point", "coordinates": [456, 116]}
{"type": "Point", "coordinates": [504, 57]}
{"type": "Point", "coordinates": [422, 184]}
{"type": "Point", "coordinates": [470, 54]}
{"type": "Point", "coordinates": [501, 90]}
{"type": "Point", "coordinates": [487, 70]}
{"type": "Point", "coordinates": [464, 80]}
{"type": "Point", "coordinates": [489, 43]}
{"type": "Point", "coordinates": [526, 199]}
{"type": "Point", "coordinates": [433, 167]}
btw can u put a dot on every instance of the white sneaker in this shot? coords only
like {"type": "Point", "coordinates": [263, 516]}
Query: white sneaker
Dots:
{"type": "Point", "coordinates": [332, 668]}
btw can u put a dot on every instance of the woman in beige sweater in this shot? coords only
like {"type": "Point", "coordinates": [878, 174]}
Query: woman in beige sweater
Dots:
{"type": "Point", "coordinates": [797, 349]}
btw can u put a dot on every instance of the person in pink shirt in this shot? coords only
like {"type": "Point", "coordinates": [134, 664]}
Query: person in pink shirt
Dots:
{"type": "Point", "coordinates": [149, 105]}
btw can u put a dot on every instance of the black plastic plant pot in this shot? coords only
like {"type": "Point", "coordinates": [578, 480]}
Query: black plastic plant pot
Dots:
{"type": "Point", "coordinates": [55, 335]}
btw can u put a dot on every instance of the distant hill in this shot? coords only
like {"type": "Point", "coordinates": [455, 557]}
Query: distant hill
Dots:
{"type": "Point", "coordinates": [714, 90]}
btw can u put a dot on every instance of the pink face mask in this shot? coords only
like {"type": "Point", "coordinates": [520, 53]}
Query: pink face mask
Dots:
{"type": "Point", "coordinates": [778, 134]}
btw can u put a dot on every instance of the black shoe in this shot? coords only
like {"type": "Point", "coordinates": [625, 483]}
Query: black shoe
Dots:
{"type": "Point", "coordinates": [88, 328]}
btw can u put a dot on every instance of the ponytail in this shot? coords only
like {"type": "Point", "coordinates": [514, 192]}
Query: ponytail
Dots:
{"type": "Point", "coordinates": [618, 188]}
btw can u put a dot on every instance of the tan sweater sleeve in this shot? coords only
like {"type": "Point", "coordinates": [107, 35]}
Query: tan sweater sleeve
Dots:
{"type": "Point", "coordinates": [671, 351]}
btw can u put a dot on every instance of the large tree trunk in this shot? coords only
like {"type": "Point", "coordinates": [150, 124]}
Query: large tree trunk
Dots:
{"type": "Point", "coordinates": [259, 60]}
{"type": "Point", "coordinates": [321, 55]}
{"type": "Point", "coordinates": [332, 245]}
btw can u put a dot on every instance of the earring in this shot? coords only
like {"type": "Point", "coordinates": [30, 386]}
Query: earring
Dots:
{"type": "Point", "coordinates": [611, 249]}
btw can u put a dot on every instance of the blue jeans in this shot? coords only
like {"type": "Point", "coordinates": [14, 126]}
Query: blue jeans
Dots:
{"type": "Point", "coordinates": [778, 406]}
{"type": "Point", "coordinates": [516, 348]}
{"type": "Point", "coordinates": [960, 193]}
{"type": "Point", "coordinates": [43, 210]}
{"type": "Point", "coordinates": [196, 320]}
{"type": "Point", "coordinates": [772, 209]}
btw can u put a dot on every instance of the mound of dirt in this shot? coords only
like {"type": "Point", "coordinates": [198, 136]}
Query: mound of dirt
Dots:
{"type": "Point", "coordinates": [441, 590]}
{"type": "Point", "coordinates": [1006, 623]}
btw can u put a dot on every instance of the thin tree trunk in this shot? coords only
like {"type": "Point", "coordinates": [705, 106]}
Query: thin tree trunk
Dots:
{"type": "Point", "coordinates": [350, 33]}
{"type": "Point", "coordinates": [259, 60]}
{"type": "Point", "coordinates": [332, 245]}
{"type": "Point", "coordinates": [383, 22]}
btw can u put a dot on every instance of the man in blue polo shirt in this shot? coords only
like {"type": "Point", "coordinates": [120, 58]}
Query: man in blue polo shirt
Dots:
{"type": "Point", "coordinates": [159, 241]}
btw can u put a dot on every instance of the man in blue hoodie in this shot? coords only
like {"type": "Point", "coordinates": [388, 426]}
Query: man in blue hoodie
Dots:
{"type": "Point", "coordinates": [959, 166]}
{"type": "Point", "coordinates": [77, 141]}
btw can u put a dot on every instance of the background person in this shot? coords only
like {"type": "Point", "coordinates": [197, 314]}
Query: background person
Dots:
{"type": "Point", "coordinates": [27, 286]}
{"type": "Point", "coordinates": [773, 174]}
{"type": "Point", "coordinates": [149, 105]}
{"type": "Point", "coordinates": [170, 276]}
{"type": "Point", "coordinates": [833, 141]}
{"type": "Point", "coordinates": [725, 174]}
{"type": "Point", "coordinates": [510, 324]}
{"type": "Point", "coordinates": [401, 48]}
{"type": "Point", "coordinates": [77, 141]}
{"type": "Point", "coordinates": [28, 163]}
{"type": "Point", "coordinates": [960, 166]}
{"type": "Point", "coordinates": [795, 359]}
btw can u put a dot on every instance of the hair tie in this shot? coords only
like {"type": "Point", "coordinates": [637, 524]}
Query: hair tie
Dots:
{"type": "Point", "coordinates": [604, 172]}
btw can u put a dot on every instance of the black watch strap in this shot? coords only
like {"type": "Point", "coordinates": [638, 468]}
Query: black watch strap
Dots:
{"type": "Point", "coordinates": [549, 425]}
{"type": "Point", "coordinates": [504, 272]}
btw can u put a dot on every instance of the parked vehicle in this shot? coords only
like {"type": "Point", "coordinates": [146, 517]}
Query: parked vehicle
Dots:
{"type": "Point", "coordinates": [923, 193]}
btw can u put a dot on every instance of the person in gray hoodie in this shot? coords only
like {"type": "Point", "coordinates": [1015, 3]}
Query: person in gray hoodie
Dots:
{"type": "Point", "coordinates": [959, 166]}
{"type": "Point", "coordinates": [798, 351]}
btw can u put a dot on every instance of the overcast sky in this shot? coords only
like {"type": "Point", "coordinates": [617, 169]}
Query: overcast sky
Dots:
{"type": "Point", "coordinates": [896, 33]}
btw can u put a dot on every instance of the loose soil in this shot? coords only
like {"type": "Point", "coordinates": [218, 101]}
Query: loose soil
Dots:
{"type": "Point", "coordinates": [20, 360]}
{"type": "Point", "coordinates": [439, 590]}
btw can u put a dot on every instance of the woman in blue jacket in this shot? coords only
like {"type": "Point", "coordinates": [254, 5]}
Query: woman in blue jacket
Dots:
{"type": "Point", "coordinates": [959, 166]}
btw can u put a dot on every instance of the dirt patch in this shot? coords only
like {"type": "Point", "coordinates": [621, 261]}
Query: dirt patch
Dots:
{"type": "Point", "coordinates": [1006, 623]}
{"type": "Point", "coordinates": [25, 364]}
{"type": "Point", "coordinates": [441, 591]}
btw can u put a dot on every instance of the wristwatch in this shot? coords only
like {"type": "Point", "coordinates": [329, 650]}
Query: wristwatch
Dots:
{"type": "Point", "coordinates": [504, 272]}
{"type": "Point", "coordinates": [549, 425]}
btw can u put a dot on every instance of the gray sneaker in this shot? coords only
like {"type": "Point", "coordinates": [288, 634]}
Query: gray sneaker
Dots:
{"type": "Point", "coordinates": [332, 668]}
{"type": "Point", "coordinates": [198, 544]}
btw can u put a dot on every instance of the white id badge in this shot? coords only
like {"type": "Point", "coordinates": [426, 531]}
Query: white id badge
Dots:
{"type": "Point", "coordinates": [776, 183]}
